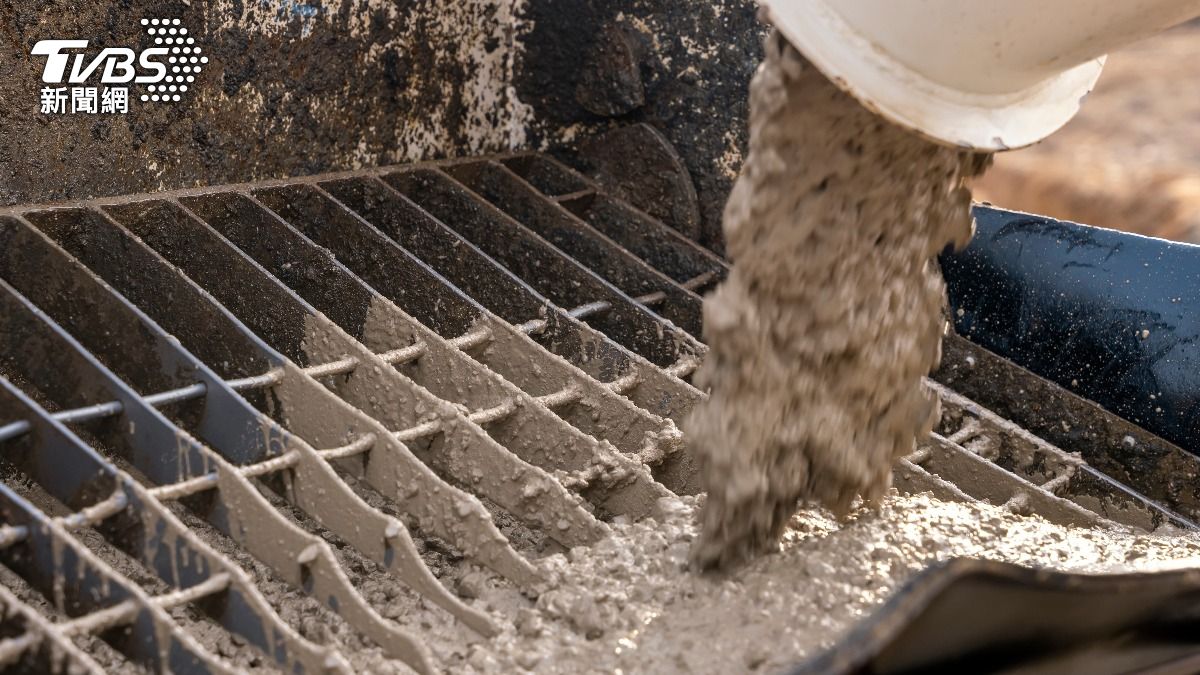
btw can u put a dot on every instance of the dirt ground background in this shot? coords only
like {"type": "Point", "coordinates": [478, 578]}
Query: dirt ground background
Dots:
{"type": "Point", "coordinates": [1131, 159]}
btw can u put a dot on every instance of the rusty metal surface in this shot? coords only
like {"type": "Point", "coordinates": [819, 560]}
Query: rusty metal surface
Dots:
{"type": "Point", "coordinates": [696, 75]}
{"type": "Point", "coordinates": [354, 84]}
{"type": "Point", "coordinates": [323, 76]}
{"type": "Point", "coordinates": [610, 84]}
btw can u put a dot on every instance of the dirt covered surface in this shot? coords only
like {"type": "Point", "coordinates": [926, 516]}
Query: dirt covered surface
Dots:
{"type": "Point", "coordinates": [832, 312]}
{"type": "Point", "coordinates": [628, 604]}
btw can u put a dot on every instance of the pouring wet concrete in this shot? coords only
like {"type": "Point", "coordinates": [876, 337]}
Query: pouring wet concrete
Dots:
{"type": "Point", "coordinates": [832, 313]}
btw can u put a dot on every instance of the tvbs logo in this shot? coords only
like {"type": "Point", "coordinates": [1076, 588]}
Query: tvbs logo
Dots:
{"type": "Point", "coordinates": [166, 70]}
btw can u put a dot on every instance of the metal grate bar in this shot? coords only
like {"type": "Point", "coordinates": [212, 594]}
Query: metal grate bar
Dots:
{"type": "Point", "coordinates": [573, 195]}
{"type": "Point", "coordinates": [566, 396]}
{"type": "Point", "coordinates": [567, 233]}
{"type": "Point", "coordinates": [324, 419]}
{"type": "Point", "coordinates": [600, 412]}
{"type": "Point", "coordinates": [503, 411]}
{"type": "Point", "coordinates": [445, 372]}
{"type": "Point", "coordinates": [79, 583]}
{"type": "Point", "coordinates": [985, 481]}
{"type": "Point", "coordinates": [315, 489]}
{"type": "Point", "coordinates": [455, 377]}
{"type": "Point", "coordinates": [378, 391]}
{"type": "Point", "coordinates": [463, 520]}
{"type": "Point", "coordinates": [501, 327]}
{"type": "Point", "coordinates": [82, 583]}
{"type": "Point", "coordinates": [1129, 455]}
{"type": "Point", "coordinates": [126, 612]}
{"type": "Point", "coordinates": [1020, 452]}
{"type": "Point", "coordinates": [496, 288]}
{"type": "Point", "coordinates": [547, 176]}
{"type": "Point", "coordinates": [662, 247]}
{"type": "Point", "coordinates": [438, 507]}
{"type": "Point", "coordinates": [558, 277]}
{"type": "Point", "coordinates": [39, 647]}
{"type": "Point", "coordinates": [144, 448]}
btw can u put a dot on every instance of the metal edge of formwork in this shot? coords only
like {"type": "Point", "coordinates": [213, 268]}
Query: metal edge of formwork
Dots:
{"type": "Point", "coordinates": [969, 615]}
{"type": "Point", "coordinates": [1109, 316]}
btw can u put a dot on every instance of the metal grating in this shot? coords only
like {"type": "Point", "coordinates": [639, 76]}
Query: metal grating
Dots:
{"type": "Point", "coordinates": [473, 340]}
